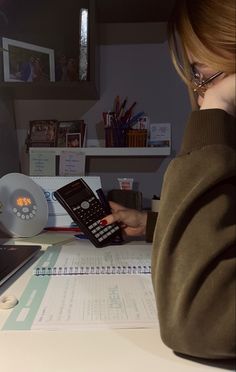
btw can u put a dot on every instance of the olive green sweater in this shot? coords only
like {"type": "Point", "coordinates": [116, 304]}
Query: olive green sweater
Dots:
{"type": "Point", "coordinates": [194, 243]}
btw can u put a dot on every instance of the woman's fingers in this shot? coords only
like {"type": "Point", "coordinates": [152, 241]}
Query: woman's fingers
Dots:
{"type": "Point", "coordinates": [116, 207]}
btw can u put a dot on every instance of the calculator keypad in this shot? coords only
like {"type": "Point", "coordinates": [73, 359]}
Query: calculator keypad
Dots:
{"type": "Point", "coordinates": [91, 212]}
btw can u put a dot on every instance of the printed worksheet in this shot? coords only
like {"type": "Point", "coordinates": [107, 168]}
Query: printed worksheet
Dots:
{"type": "Point", "coordinates": [78, 286]}
{"type": "Point", "coordinates": [114, 301]}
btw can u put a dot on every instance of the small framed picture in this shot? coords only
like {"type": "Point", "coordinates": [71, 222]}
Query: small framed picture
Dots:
{"type": "Point", "coordinates": [73, 140]}
{"type": "Point", "coordinates": [24, 62]}
{"type": "Point", "coordinates": [160, 135]}
{"type": "Point", "coordinates": [72, 127]}
{"type": "Point", "coordinates": [43, 133]}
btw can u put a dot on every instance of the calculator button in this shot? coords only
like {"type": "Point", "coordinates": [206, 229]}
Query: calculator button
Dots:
{"type": "Point", "coordinates": [84, 205]}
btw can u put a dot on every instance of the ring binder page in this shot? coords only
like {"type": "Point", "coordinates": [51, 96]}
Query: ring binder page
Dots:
{"type": "Point", "coordinates": [77, 286]}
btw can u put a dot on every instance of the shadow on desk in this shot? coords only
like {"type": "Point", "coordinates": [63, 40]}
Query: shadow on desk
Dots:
{"type": "Point", "coordinates": [228, 364]}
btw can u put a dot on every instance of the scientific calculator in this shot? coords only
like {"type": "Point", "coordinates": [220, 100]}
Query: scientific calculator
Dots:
{"type": "Point", "coordinates": [86, 209]}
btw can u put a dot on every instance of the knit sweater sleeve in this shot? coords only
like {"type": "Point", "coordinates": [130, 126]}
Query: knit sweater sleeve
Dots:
{"type": "Point", "coordinates": [193, 262]}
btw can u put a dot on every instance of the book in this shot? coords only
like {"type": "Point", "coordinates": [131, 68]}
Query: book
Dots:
{"type": "Point", "coordinates": [77, 286]}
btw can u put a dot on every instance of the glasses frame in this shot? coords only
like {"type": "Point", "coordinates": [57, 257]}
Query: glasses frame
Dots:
{"type": "Point", "coordinates": [200, 86]}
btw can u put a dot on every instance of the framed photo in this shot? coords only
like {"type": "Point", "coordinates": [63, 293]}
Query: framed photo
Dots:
{"type": "Point", "coordinates": [160, 135]}
{"type": "Point", "coordinates": [25, 62]}
{"type": "Point", "coordinates": [73, 127]}
{"type": "Point", "coordinates": [43, 133]}
{"type": "Point", "coordinates": [73, 140]}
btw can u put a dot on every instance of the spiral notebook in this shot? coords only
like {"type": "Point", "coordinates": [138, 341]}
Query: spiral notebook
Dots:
{"type": "Point", "coordinates": [85, 259]}
{"type": "Point", "coordinates": [77, 286]}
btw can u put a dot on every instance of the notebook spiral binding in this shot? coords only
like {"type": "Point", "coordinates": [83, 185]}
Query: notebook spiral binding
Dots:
{"type": "Point", "coordinates": [83, 270]}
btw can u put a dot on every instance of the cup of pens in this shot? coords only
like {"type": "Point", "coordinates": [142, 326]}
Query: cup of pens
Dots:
{"type": "Point", "coordinates": [120, 126]}
{"type": "Point", "coordinates": [115, 133]}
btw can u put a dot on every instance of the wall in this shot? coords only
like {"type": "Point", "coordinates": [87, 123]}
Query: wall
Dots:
{"type": "Point", "coordinates": [141, 72]}
{"type": "Point", "coordinates": [9, 153]}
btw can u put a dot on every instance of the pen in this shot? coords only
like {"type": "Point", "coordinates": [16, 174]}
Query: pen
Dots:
{"type": "Point", "coordinates": [122, 108]}
{"type": "Point", "coordinates": [57, 228]}
{"type": "Point", "coordinates": [128, 113]}
{"type": "Point", "coordinates": [135, 118]}
{"type": "Point", "coordinates": [116, 107]}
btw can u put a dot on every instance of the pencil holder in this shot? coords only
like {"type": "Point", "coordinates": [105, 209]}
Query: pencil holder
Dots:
{"type": "Point", "coordinates": [136, 138]}
{"type": "Point", "coordinates": [115, 137]}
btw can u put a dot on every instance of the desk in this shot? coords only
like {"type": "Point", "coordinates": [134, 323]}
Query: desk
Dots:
{"type": "Point", "coordinates": [128, 350]}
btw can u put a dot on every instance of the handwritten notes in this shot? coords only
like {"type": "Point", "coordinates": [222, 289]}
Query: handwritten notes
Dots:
{"type": "Point", "coordinates": [72, 164]}
{"type": "Point", "coordinates": [42, 163]}
{"type": "Point", "coordinates": [45, 162]}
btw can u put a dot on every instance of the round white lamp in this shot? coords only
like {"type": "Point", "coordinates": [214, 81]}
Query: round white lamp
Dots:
{"type": "Point", "coordinates": [23, 206]}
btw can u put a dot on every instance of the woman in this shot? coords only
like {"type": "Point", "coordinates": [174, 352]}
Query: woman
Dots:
{"type": "Point", "coordinates": [193, 262]}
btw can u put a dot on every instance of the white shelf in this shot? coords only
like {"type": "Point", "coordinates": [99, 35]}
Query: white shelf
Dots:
{"type": "Point", "coordinates": [110, 151]}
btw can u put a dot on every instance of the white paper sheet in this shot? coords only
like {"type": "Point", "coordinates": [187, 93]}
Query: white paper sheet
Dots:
{"type": "Point", "coordinates": [97, 301]}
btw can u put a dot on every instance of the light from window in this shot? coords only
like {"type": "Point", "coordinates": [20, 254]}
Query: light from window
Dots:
{"type": "Point", "coordinates": [83, 47]}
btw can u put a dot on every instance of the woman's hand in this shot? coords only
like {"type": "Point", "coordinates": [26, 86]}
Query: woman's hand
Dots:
{"type": "Point", "coordinates": [221, 95]}
{"type": "Point", "coordinates": [132, 221]}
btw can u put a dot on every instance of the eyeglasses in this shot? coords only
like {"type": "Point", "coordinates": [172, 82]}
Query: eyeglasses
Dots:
{"type": "Point", "coordinates": [200, 85]}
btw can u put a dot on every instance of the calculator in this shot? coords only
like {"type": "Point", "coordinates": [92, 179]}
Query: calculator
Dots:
{"type": "Point", "coordinates": [86, 210]}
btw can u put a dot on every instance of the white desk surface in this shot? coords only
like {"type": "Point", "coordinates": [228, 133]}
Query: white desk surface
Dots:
{"type": "Point", "coordinates": [134, 350]}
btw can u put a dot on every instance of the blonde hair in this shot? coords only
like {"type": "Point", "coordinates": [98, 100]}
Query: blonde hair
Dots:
{"type": "Point", "coordinates": [206, 28]}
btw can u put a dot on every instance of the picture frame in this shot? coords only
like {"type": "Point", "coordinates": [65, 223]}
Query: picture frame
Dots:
{"type": "Point", "coordinates": [43, 133]}
{"type": "Point", "coordinates": [25, 62]}
{"type": "Point", "coordinates": [73, 139]}
{"type": "Point", "coordinates": [160, 135]}
{"type": "Point", "coordinates": [73, 127]}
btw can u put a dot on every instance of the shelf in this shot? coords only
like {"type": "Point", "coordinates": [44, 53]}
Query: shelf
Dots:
{"type": "Point", "coordinates": [111, 151]}
{"type": "Point", "coordinates": [51, 24]}
{"type": "Point", "coordinates": [52, 90]}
